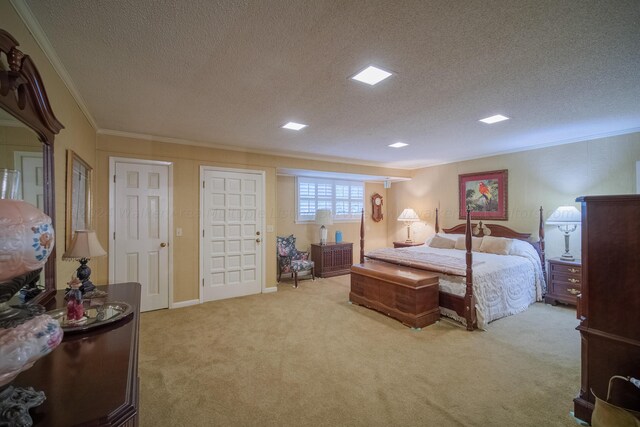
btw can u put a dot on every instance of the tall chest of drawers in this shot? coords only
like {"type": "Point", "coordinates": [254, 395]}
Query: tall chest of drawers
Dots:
{"type": "Point", "coordinates": [564, 282]}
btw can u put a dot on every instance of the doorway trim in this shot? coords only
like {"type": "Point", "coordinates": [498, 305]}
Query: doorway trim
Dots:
{"type": "Point", "coordinates": [112, 228]}
{"type": "Point", "coordinates": [263, 222]}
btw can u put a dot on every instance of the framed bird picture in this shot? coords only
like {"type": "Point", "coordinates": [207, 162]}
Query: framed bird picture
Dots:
{"type": "Point", "coordinates": [485, 193]}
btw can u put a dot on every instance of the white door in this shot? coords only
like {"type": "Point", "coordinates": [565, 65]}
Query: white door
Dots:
{"type": "Point", "coordinates": [140, 229]}
{"type": "Point", "coordinates": [31, 169]}
{"type": "Point", "coordinates": [232, 213]}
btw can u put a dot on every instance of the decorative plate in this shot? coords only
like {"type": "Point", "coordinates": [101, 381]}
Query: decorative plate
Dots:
{"type": "Point", "coordinates": [94, 316]}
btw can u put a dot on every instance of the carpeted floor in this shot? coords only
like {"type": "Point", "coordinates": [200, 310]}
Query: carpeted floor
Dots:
{"type": "Point", "coordinates": [306, 357]}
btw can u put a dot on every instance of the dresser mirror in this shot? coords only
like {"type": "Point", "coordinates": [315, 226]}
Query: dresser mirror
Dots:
{"type": "Point", "coordinates": [27, 130]}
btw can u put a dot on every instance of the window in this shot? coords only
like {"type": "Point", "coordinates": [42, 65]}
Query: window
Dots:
{"type": "Point", "coordinates": [344, 198]}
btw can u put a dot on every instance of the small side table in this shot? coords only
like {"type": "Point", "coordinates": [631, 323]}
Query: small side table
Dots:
{"type": "Point", "coordinates": [564, 282]}
{"type": "Point", "coordinates": [406, 245]}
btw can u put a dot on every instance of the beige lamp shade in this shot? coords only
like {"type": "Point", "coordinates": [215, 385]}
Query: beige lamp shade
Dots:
{"type": "Point", "coordinates": [324, 217]}
{"type": "Point", "coordinates": [409, 215]}
{"type": "Point", "coordinates": [85, 244]}
{"type": "Point", "coordinates": [565, 215]}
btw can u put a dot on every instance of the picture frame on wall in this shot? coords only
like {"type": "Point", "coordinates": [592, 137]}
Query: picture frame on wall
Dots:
{"type": "Point", "coordinates": [79, 177]}
{"type": "Point", "coordinates": [485, 193]}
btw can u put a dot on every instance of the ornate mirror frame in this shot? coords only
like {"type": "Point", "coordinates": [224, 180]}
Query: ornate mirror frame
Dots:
{"type": "Point", "coordinates": [22, 94]}
{"type": "Point", "coordinates": [79, 178]}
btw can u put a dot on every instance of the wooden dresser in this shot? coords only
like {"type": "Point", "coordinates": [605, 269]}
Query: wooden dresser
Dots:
{"type": "Point", "coordinates": [610, 300]}
{"type": "Point", "coordinates": [90, 378]}
{"type": "Point", "coordinates": [332, 259]}
{"type": "Point", "coordinates": [564, 283]}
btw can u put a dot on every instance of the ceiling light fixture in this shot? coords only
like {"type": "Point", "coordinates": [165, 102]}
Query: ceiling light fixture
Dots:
{"type": "Point", "coordinates": [294, 126]}
{"type": "Point", "coordinates": [371, 75]}
{"type": "Point", "coordinates": [397, 145]}
{"type": "Point", "coordinates": [494, 119]}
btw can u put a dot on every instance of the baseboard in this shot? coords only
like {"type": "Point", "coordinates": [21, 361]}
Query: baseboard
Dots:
{"type": "Point", "coordinates": [182, 304]}
{"type": "Point", "coordinates": [270, 289]}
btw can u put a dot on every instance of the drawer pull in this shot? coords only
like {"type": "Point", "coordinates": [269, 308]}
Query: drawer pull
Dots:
{"type": "Point", "coordinates": [572, 280]}
{"type": "Point", "coordinates": [573, 291]}
{"type": "Point", "coordinates": [573, 270]}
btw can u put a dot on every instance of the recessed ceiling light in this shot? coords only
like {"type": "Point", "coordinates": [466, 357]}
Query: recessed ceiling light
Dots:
{"type": "Point", "coordinates": [371, 75]}
{"type": "Point", "coordinates": [294, 126]}
{"type": "Point", "coordinates": [494, 119]}
{"type": "Point", "coordinates": [398, 145]}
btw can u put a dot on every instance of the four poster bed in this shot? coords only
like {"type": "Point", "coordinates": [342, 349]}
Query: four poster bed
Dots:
{"type": "Point", "coordinates": [475, 283]}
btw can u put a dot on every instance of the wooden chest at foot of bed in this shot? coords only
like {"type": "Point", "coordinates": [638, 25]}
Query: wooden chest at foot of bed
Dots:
{"type": "Point", "coordinates": [406, 294]}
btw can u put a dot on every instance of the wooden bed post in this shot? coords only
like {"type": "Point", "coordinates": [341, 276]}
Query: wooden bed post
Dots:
{"type": "Point", "coordinates": [541, 241]}
{"type": "Point", "coordinates": [469, 307]}
{"type": "Point", "coordinates": [437, 226]}
{"type": "Point", "coordinates": [362, 238]}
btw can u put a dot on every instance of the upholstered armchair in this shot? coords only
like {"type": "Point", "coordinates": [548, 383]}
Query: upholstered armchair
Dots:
{"type": "Point", "coordinates": [291, 260]}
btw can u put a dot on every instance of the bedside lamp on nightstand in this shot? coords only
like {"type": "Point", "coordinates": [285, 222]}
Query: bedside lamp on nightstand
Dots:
{"type": "Point", "coordinates": [408, 216]}
{"type": "Point", "coordinates": [567, 218]}
{"type": "Point", "coordinates": [323, 218]}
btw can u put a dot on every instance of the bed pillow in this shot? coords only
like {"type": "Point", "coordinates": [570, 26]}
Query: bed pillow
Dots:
{"type": "Point", "coordinates": [441, 242]}
{"type": "Point", "coordinates": [475, 243]}
{"type": "Point", "coordinates": [496, 245]}
{"type": "Point", "coordinates": [443, 235]}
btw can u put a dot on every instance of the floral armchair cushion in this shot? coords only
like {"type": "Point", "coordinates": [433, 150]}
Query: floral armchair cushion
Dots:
{"type": "Point", "coordinates": [289, 258]}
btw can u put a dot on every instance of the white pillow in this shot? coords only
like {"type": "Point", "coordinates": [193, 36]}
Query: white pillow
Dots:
{"type": "Point", "coordinates": [446, 236]}
{"type": "Point", "coordinates": [441, 242]}
{"type": "Point", "coordinates": [496, 245]}
{"type": "Point", "coordinates": [461, 243]}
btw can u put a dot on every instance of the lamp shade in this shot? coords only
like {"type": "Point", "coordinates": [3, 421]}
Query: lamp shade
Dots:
{"type": "Point", "coordinates": [85, 244]}
{"type": "Point", "coordinates": [565, 215]}
{"type": "Point", "coordinates": [409, 215]}
{"type": "Point", "coordinates": [324, 217]}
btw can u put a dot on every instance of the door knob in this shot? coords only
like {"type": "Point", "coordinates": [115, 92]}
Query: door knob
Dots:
{"type": "Point", "coordinates": [258, 240]}
{"type": "Point", "coordinates": [257, 233]}
{"type": "Point", "coordinates": [163, 245]}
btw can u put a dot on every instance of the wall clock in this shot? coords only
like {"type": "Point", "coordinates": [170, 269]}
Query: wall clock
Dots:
{"type": "Point", "coordinates": [376, 207]}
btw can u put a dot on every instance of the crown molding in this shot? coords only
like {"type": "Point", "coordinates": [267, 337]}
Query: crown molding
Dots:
{"type": "Point", "coordinates": [530, 148]}
{"type": "Point", "coordinates": [24, 11]}
{"type": "Point", "coordinates": [147, 137]}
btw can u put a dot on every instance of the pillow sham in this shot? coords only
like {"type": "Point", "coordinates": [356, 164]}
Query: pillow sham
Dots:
{"type": "Point", "coordinates": [443, 235]}
{"type": "Point", "coordinates": [496, 245]}
{"type": "Point", "coordinates": [440, 242]}
{"type": "Point", "coordinates": [461, 243]}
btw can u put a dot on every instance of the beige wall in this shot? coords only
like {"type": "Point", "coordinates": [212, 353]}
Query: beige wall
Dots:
{"type": "Point", "coordinates": [375, 232]}
{"type": "Point", "coordinates": [78, 134]}
{"type": "Point", "coordinates": [549, 177]}
{"type": "Point", "coordinates": [187, 160]}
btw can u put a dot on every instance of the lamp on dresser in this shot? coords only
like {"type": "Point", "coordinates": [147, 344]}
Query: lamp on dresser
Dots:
{"type": "Point", "coordinates": [85, 245]}
{"type": "Point", "coordinates": [408, 216]}
{"type": "Point", "coordinates": [567, 218]}
{"type": "Point", "coordinates": [323, 218]}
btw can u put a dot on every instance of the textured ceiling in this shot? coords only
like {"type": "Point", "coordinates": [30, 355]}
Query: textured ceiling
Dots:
{"type": "Point", "coordinates": [230, 72]}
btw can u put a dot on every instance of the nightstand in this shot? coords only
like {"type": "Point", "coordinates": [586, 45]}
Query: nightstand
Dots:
{"type": "Point", "coordinates": [564, 282]}
{"type": "Point", "coordinates": [332, 259]}
{"type": "Point", "coordinates": [406, 245]}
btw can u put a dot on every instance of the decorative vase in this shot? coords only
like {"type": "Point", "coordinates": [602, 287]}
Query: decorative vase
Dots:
{"type": "Point", "coordinates": [338, 236]}
{"type": "Point", "coordinates": [26, 238]}
{"type": "Point", "coordinates": [22, 345]}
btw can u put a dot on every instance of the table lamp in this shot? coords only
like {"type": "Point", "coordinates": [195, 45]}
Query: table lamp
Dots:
{"type": "Point", "coordinates": [408, 216]}
{"type": "Point", "coordinates": [567, 219]}
{"type": "Point", "coordinates": [85, 245]}
{"type": "Point", "coordinates": [323, 218]}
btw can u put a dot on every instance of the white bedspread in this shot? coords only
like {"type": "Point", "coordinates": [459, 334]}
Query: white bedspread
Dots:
{"type": "Point", "coordinates": [502, 284]}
